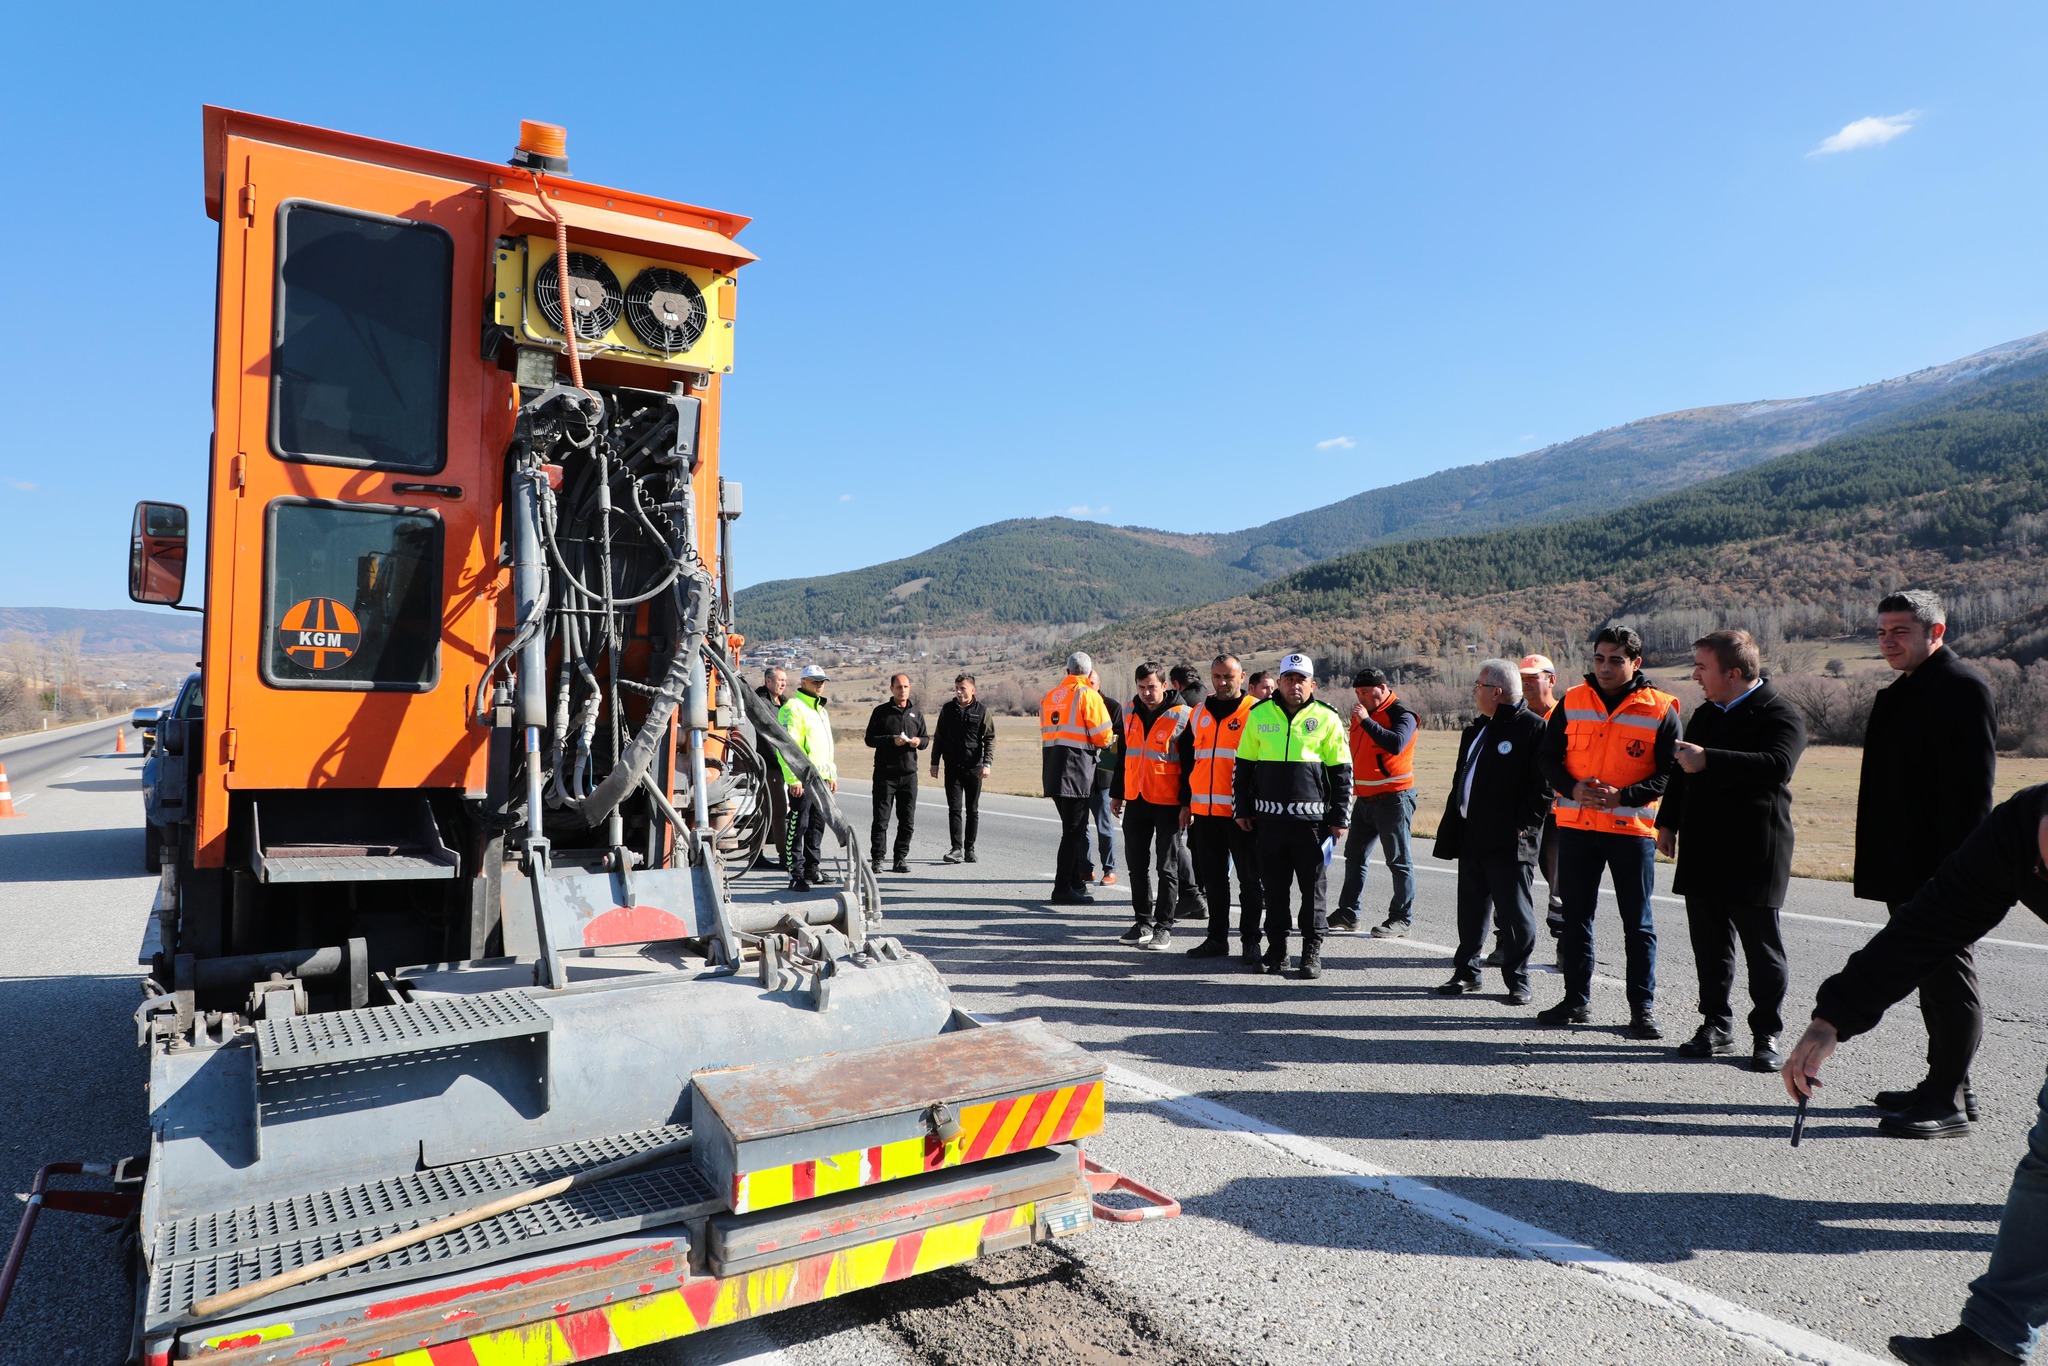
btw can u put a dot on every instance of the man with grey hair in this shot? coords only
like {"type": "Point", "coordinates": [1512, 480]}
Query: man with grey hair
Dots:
{"type": "Point", "coordinates": [1492, 826]}
{"type": "Point", "coordinates": [1929, 752]}
{"type": "Point", "coordinates": [1073, 729]}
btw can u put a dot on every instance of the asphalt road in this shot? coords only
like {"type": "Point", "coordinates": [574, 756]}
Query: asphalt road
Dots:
{"type": "Point", "coordinates": [1368, 1172]}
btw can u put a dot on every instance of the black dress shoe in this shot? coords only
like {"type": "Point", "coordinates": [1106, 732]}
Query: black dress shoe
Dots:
{"type": "Point", "coordinates": [1643, 1025]}
{"type": "Point", "coordinates": [1709, 1042]}
{"type": "Point", "coordinates": [1926, 1120]}
{"type": "Point", "coordinates": [1565, 1012]}
{"type": "Point", "coordinates": [1957, 1347]}
{"type": "Point", "coordinates": [900, 866]}
{"type": "Point", "coordinates": [1210, 948]}
{"type": "Point", "coordinates": [1519, 996]}
{"type": "Point", "coordinates": [1895, 1101]}
{"type": "Point", "coordinates": [1459, 985]}
{"type": "Point", "coordinates": [1764, 1056]}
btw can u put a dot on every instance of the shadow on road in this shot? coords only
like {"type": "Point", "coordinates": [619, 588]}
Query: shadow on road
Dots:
{"type": "Point", "coordinates": [71, 855]}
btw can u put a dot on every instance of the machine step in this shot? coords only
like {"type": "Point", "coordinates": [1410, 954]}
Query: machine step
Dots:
{"type": "Point", "coordinates": [433, 1022]}
{"type": "Point", "coordinates": [219, 1250]}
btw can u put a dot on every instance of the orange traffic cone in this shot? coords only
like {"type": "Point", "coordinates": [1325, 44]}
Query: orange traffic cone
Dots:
{"type": "Point", "coordinates": [121, 740]}
{"type": "Point", "coordinates": [6, 797]}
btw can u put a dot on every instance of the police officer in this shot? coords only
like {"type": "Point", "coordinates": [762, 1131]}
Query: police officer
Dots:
{"type": "Point", "coordinates": [803, 716]}
{"type": "Point", "coordinates": [1292, 785]}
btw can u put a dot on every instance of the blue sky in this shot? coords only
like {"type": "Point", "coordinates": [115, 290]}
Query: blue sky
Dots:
{"type": "Point", "coordinates": [1139, 262]}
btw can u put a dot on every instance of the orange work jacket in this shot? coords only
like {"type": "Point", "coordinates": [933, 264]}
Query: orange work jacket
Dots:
{"type": "Point", "coordinates": [1151, 756]}
{"type": "Point", "coordinates": [1618, 749]}
{"type": "Point", "coordinates": [1216, 758]}
{"type": "Point", "coordinates": [1374, 772]}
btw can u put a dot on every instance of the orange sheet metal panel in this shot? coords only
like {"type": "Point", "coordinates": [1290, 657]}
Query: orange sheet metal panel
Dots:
{"type": "Point", "coordinates": [664, 232]}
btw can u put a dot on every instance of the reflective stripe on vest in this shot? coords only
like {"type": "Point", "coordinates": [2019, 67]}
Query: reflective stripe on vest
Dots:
{"type": "Point", "coordinates": [1374, 772]}
{"type": "Point", "coordinates": [1151, 768]}
{"type": "Point", "coordinates": [1062, 718]}
{"type": "Point", "coordinates": [1216, 759]}
{"type": "Point", "coordinates": [1618, 748]}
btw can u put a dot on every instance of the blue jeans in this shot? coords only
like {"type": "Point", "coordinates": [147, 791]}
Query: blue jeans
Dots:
{"type": "Point", "coordinates": [2008, 1304]}
{"type": "Point", "coordinates": [1582, 856]}
{"type": "Point", "coordinates": [1105, 825]}
{"type": "Point", "coordinates": [1386, 819]}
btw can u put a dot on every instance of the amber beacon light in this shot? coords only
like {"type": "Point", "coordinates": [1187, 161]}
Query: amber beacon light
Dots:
{"type": "Point", "coordinates": [542, 147]}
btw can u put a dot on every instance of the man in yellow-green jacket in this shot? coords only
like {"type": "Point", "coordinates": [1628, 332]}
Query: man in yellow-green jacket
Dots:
{"type": "Point", "coordinates": [803, 716]}
{"type": "Point", "coordinates": [1291, 787]}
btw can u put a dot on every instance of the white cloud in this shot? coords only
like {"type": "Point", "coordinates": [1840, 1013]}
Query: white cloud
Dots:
{"type": "Point", "coordinates": [21, 486]}
{"type": "Point", "coordinates": [1336, 443]}
{"type": "Point", "coordinates": [1874, 131]}
{"type": "Point", "coordinates": [1083, 510]}
{"type": "Point", "coordinates": [845, 497]}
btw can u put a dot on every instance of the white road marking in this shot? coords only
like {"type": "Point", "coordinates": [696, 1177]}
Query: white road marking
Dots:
{"type": "Point", "coordinates": [25, 797]}
{"type": "Point", "coordinates": [1745, 1325]}
{"type": "Point", "coordinates": [72, 774]}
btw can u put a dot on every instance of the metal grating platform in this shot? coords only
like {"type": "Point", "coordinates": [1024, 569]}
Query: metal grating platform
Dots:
{"type": "Point", "coordinates": [204, 1254]}
{"type": "Point", "coordinates": [287, 865]}
{"type": "Point", "coordinates": [387, 1031]}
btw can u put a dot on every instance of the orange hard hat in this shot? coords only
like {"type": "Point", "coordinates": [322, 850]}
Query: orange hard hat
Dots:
{"type": "Point", "coordinates": [1538, 664]}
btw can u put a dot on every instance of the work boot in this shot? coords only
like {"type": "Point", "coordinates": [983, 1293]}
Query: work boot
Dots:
{"type": "Point", "coordinates": [1248, 955]}
{"type": "Point", "coordinates": [1210, 948]}
{"type": "Point", "coordinates": [1926, 1119]}
{"type": "Point", "coordinates": [1565, 1012]}
{"type": "Point", "coordinates": [900, 866]}
{"type": "Point", "coordinates": [1957, 1347]}
{"type": "Point", "coordinates": [1765, 1057]}
{"type": "Point", "coordinates": [1343, 922]}
{"type": "Point", "coordinates": [1273, 964]}
{"type": "Point", "coordinates": [1311, 965]}
{"type": "Point", "coordinates": [1161, 940]}
{"type": "Point", "coordinates": [953, 856]}
{"type": "Point", "coordinates": [1709, 1042]}
{"type": "Point", "coordinates": [797, 884]}
{"type": "Point", "coordinates": [1391, 929]}
{"type": "Point", "coordinates": [1642, 1024]}
{"type": "Point", "coordinates": [1136, 934]}
{"type": "Point", "coordinates": [875, 863]}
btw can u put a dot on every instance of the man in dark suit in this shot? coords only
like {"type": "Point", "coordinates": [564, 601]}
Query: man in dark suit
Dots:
{"type": "Point", "coordinates": [1727, 817]}
{"type": "Point", "coordinates": [1492, 826]}
{"type": "Point", "coordinates": [1928, 756]}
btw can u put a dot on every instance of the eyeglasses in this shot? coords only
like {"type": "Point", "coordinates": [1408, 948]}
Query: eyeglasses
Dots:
{"type": "Point", "coordinates": [1493, 686]}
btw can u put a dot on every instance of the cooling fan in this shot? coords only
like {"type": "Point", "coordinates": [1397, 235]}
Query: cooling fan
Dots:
{"type": "Point", "coordinates": [594, 294]}
{"type": "Point", "coordinates": [666, 309]}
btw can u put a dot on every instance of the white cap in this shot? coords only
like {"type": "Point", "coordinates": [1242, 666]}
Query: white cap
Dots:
{"type": "Point", "coordinates": [1298, 664]}
{"type": "Point", "coordinates": [813, 671]}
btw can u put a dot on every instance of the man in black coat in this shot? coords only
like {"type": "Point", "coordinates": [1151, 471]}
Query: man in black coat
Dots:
{"type": "Point", "coordinates": [1727, 816]}
{"type": "Point", "coordinates": [966, 741]}
{"type": "Point", "coordinates": [896, 731]}
{"type": "Point", "coordinates": [1928, 757]}
{"type": "Point", "coordinates": [1492, 826]}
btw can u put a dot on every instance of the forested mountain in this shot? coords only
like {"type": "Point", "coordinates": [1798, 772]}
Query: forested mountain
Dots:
{"type": "Point", "coordinates": [1029, 572]}
{"type": "Point", "coordinates": [1951, 495]}
{"type": "Point", "coordinates": [1045, 571]}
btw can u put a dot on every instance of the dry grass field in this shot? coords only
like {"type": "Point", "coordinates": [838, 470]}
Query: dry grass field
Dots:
{"type": "Point", "coordinates": [1823, 790]}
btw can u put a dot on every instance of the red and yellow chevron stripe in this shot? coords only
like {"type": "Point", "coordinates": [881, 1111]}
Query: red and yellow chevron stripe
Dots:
{"type": "Point", "coordinates": [987, 1130]}
{"type": "Point", "coordinates": [713, 1303]}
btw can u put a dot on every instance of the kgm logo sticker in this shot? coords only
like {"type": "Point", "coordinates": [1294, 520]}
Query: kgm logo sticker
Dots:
{"type": "Point", "coordinates": [319, 634]}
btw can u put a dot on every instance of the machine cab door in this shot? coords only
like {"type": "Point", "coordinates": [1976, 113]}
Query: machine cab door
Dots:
{"type": "Point", "coordinates": [352, 605]}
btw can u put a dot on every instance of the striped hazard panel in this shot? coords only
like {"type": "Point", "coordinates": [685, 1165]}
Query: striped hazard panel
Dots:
{"type": "Point", "coordinates": [987, 1130]}
{"type": "Point", "coordinates": [710, 1303]}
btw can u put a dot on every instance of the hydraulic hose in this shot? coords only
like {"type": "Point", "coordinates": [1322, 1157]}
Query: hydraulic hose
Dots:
{"type": "Point", "coordinates": [562, 278]}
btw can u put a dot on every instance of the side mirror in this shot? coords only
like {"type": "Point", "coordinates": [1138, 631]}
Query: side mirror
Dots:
{"type": "Point", "coordinates": [156, 554]}
{"type": "Point", "coordinates": [145, 717]}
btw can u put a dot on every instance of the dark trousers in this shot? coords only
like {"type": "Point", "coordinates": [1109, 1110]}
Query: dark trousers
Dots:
{"type": "Point", "coordinates": [1500, 889]}
{"type": "Point", "coordinates": [963, 805]}
{"type": "Point", "coordinates": [806, 841]}
{"type": "Point", "coordinates": [1193, 904]}
{"type": "Point", "coordinates": [1546, 859]}
{"type": "Point", "coordinates": [1152, 843]}
{"type": "Point", "coordinates": [898, 791]}
{"type": "Point", "coordinates": [1387, 820]}
{"type": "Point", "coordinates": [1954, 1013]}
{"type": "Point", "coordinates": [1290, 858]}
{"type": "Point", "coordinates": [1582, 856]}
{"type": "Point", "coordinates": [1105, 831]}
{"type": "Point", "coordinates": [1715, 927]}
{"type": "Point", "coordinates": [1216, 843]}
{"type": "Point", "coordinates": [1068, 877]}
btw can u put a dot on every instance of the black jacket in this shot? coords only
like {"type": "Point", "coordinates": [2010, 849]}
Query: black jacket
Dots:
{"type": "Point", "coordinates": [1968, 895]}
{"type": "Point", "coordinates": [1108, 762]}
{"type": "Point", "coordinates": [1734, 817]}
{"type": "Point", "coordinates": [1928, 756]}
{"type": "Point", "coordinates": [966, 737]}
{"type": "Point", "coordinates": [885, 723]}
{"type": "Point", "coordinates": [1509, 795]}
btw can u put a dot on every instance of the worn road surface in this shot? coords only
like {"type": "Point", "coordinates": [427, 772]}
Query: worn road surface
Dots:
{"type": "Point", "coordinates": [1369, 1172]}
